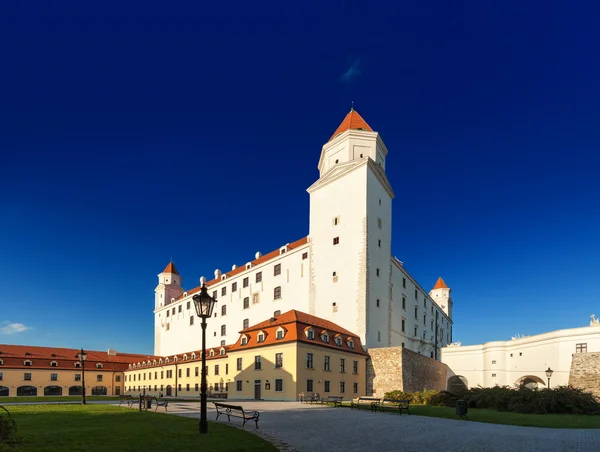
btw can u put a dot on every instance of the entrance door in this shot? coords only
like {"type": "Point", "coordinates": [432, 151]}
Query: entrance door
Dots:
{"type": "Point", "coordinates": [169, 391]}
{"type": "Point", "coordinates": [257, 389]}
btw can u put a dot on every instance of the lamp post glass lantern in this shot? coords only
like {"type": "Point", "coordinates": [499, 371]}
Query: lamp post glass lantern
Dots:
{"type": "Point", "coordinates": [82, 356]}
{"type": "Point", "coordinates": [204, 305]}
{"type": "Point", "coordinates": [549, 373]}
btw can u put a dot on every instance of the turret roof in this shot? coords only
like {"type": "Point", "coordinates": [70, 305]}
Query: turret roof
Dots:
{"type": "Point", "coordinates": [440, 284]}
{"type": "Point", "coordinates": [352, 121]}
{"type": "Point", "coordinates": [171, 269]}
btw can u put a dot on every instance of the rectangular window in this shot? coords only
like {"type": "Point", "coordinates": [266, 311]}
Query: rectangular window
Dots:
{"type": "Point", "coordinates": [216, 369]}
{"type": "Point", "coordinates": [246, 323]}
{"type": "Point", "coordinates": [355, 388]}
{"type": "Point", "coordinates": [179, 308]}
{"type": "Point", "coordinates": [187, 372]}
{"type": "Point", "coordinates": [416, 294]}
{"type": "Point", "coordinates": [99, 377]}
{"type": "Point", "coordinates": [173, 311]}
{"type": "Point", "coordinates": [424, 319]}
{"type": "Point", "coordinates": [336, 240]}
{"type": "Point", "coordinates": [278, 360]}
{"type": "Point", "coordinates": [416, 331]}
{"type": "Point", "coordinates": [224, 310]}
{"type": "Point", "coordinates": [223, 330]}
{"type": "Point", "coordinates": [354, 367]}
{"type": "Point", "coordinates": [277, 270]}
{"type": "Point", "coordinates": [327, 387]}
{"type": "Point", "coordinates": [245, 282]}
{"type": "Point", "coordinates": [259, 277]}
{"type": "Point", "coordinates": [254, 298]}
{"type": "Point", "coordinates": [278, 385]}
{"type": "Point", "coordinates": [379, 223]}
{"type": "Point", "coordinates": [493, 361]}
{"type": "Point", "coordinates": [78, 377]}
{"type": "Point", "coordinates": [403, 302]}
{"type": "Point", "coordinates": [239, 364]}
{"type": "Point", "coordinates": [196, 387]}
{"type": "Point", "coordinates": [309, 386]}
{"type": "Point", "coordinates": [168, 313]}
{"type": "Point", "coordinates": [238, 385]}
{"type": "Point", "coordinates": [404, 282]}
{"type": "Point", "coordinates": [342, 387]}
{"type": "Point", "coordinates": [53, 377]}
{"type": "Point", "coordinates": [403, 325]}
{"type": "Point", "coordinates": [304, 256]}
{"type": "Point", "coordinates": [187, 387]}
{"type": "Point", "coordinates": [234, 287]}
{"type": "Point", "coordinates": [257, 362]}
{"type": "Point", "coordinates": [179, 374]}
{"type": "Point", "coordinates": [277, 292]}
{"type": "Point", "coordinates": [342, 365]}
{"type": "Point", "coordinates": [246, 302]}
{"type": "Point", "coordinates": [187, 306]}
{"type": "Point", "coordinates": [309, 360]}
{"type": "Point", "coordinates": [196, 371]}
{"type": "Point", "coordinates": [581, 348]}
{"type": "Point", "coordinates": [191, 320]}
{"type": "Point", "coordinates": [27, 376]}
{"type": "Point", "coordinates": [223, 291]}
{"type": "Point", "coordinates": [214, 294]}
{"type": "Point", "coordinates": [493, 375]}
{"type": "Point", "coordinates": [326, 363]}
{"type": "Point", "coordinates": [378, 302]}
{"type": "Point", "coordinates": [226, 368]}
{"type": "Point", "coordinates": [377, 273]}
{"type": "Point", "coordinates": [416, 312]}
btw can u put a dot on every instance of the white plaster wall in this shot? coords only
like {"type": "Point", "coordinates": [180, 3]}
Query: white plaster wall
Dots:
{"type": "Point", "coordinates": [182, 336]}
{"type": "Point", "coordinates": [530, 356]}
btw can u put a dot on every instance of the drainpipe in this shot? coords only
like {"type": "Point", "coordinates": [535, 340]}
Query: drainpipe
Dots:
{"type": "Point", "coordinates": [436, 334]}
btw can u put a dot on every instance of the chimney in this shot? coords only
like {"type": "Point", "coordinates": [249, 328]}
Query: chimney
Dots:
{"type": "Point", "coordinates": [217, 273]}
{"type": "Point", "coordinates": [257, 255]}
{"type": "Point", "coordinates": [112, 352]}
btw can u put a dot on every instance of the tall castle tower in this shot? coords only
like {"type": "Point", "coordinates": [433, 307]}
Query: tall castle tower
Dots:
{"type": "Point", "coordinates": [441, 294]}
{"type": "Point", "coordinates": [350, 231]}
{"type": "Point", "coordinates": [169, 287]}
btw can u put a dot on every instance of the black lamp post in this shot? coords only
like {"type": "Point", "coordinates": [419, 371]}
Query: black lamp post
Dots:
{"type": "Point", "coordinates": [204, 304]}
{"type": "Point", "coordinates": [549, 373]}
{"type": "Point", "coordinates": [82, 356]}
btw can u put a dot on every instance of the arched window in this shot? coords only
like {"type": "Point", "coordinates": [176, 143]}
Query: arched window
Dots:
{"type": "Point", "coordinates": [75, 390]}
{"type": "Point", "coordinates": [99, 390]}
{"type": "Point", "coordinates": [3, 391]}
{"type": "Point", "coordinates": [53, 390]}
{"type": "Point", "coordinates": [26, 391]}
{"type": "Point", "coordinates": [457, 383]}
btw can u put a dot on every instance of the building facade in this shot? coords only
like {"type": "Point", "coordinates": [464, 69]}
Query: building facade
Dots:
{"type": "Point", "coordinates": [343, 271]}
{"type": "Point", "coordinates": [521, 360]}
{"type": "Point", "coordinates": [276, 359]}
{"type": "Point", "coordinates": [48, 371]}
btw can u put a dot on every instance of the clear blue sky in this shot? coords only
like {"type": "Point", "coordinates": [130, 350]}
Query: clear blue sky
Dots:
{"type": "Point", "coordinates": [131, 133]}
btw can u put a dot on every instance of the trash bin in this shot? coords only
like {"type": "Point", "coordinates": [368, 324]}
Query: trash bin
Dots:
{"type": "Point", "coordinates": [461, 408]}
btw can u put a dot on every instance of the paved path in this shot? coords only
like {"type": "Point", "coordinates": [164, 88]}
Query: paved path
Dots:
{"type": "Point", "coordinates": [309, 428]}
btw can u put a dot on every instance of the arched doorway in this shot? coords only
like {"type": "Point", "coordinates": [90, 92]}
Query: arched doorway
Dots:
{"type": "Point", "coordinates": [168, 390]}
{"type": "Point", "coordinates": [26, 391]}
{"type": "Point", "coordinates": [75, 390]}
{"type": "Point", "coordinates": [52, 391]}
{"type": "Point", "coordinates": [99, 390]}
{"type": "Point", "coordinates": [457, 383]}
{"type": "Point", "coordinates": [3, 391]}
{"type": "Point", "coordinates": [530, 382]}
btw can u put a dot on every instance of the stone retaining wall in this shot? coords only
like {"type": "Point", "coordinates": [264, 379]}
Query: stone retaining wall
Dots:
{"type": "Point", "coordinates": [585, 372]}
{"type": "Point", "coordinates": [392, 368]}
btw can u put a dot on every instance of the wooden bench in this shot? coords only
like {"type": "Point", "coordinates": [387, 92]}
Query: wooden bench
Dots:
{"type": "Point", "coordinates": [403, 405]}
{"type": "Point", "coordinates": [236, 411]}
{"type": "Point", "coordinates": [364, 401]}
{"type": "Point", "coordinates": [336, 400]}
{"type": "Point", "coordinates": [127, 398]}
{"type": "Point", "coordinates": [311, 398]}
{"type": "Point", "coordinates": [160, 402]}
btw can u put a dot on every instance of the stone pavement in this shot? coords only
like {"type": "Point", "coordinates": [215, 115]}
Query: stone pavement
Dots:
{"type": "Point", "coordinates": [312, 428]}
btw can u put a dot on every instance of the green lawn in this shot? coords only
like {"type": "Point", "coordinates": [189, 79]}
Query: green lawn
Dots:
{"type": "Point", "coordinates": [99, 428]}
{"type": "Point", "coordinates": [42, 399]}
{"type": "Point", "coordinates": [507, 417]}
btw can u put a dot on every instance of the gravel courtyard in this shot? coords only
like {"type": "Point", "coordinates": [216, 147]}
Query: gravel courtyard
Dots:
{"type": "Point", "coordinates": [312, 428]}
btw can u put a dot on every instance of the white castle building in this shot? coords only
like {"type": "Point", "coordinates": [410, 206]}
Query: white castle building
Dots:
{"type": "Point", "coordinates": [343, 271]}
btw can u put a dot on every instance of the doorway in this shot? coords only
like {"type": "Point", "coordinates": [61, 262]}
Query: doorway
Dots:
{"type": "Point", "coordinates": [168, 390]}
{"type": "Point", "coordinates": [256, 389]}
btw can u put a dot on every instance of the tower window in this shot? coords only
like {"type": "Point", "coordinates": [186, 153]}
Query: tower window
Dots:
{"type": "Point", "coordinates": [336, 240]}
{"type": "Point", "coordinates": [377, 273]}
{"type": "Point", "coordinates": [380, 202]}
{"type": "Point", "coordinates": [380, 243]}
{"type": "Point", "coordinates": [336, 221]}
{"type": "Point", "coordinates": [378, 302]}
{"type": "Point", "coordinates": [223, 291]}
{"type": "Point", "coordinates": [277, 270]}
{"type": "Point", "coordinates": [379, 223]}
{"type": "Point", "coordinates": [277, 292]}
{"type": "Point", "coordinates": [304, 256]}
{"type": "Point", "coordinates": [259, 277]}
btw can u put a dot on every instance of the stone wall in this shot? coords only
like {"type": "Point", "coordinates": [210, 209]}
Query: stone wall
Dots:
{"type": "Point", "coordinates": [392, 368]}
{"type": "Point", "coordinates": [585, 372]}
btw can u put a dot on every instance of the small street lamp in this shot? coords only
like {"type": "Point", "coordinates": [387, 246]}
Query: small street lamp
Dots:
{"type": "Point", "coordinates": [82, 356]}
{"type": "Point", "coordinates": [549, 373]}
{"type": "Point", "coordinates": [204, 304]}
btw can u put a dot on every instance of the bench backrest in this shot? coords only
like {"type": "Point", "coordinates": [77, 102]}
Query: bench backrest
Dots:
{"type": "Point", "coordinates": [369, 398]}
{"type": "Point", "coordinates": [225, 405]}
{"type": "Point", "coordinates": [403, 402]}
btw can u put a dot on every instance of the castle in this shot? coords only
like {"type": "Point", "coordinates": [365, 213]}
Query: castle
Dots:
{"type": "Point", "coordinates": [343, 271]}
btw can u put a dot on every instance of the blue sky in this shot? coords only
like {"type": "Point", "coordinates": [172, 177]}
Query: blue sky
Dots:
{"type": "Point", "coordinates": [136, 132]}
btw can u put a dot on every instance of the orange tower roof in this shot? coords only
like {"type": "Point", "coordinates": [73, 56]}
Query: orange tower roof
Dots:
{"type": "Point", "coordinates": [171, 269]}
{"type": "Point", "coordinates": [440, 284]}
{"type": "Point", "coordinates": [352, 121]}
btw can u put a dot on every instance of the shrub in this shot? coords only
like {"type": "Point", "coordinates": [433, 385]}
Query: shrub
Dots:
{"type": "Point", "coordinates": [8, 428]}
{"type": "Point", "coordinates": [419, 398]}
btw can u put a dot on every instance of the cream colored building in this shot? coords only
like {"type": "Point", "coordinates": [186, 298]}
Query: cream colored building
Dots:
{"type": "Point", "coordinates": [49, 371]}
{"type": "Point", "coordinates": [342, 271]}
{"type": "Point", "coordinates": [520, 360]}
{"type": "Point", "coordinates": [276, 359]}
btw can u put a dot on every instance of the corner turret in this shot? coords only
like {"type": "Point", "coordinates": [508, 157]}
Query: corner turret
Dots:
{"type": "Point", "coordinates": [441, 295]}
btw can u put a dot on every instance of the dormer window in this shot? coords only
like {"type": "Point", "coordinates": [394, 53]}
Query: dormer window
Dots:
{"type": "Point", "coordinates": [154, 362]}
{"type": "Point", "coordinates": [280, 334]}
{"type": "Point", "coordinates": [185, 357]}
{"type": "Point", "coordinates": [99, 365]}
{"type": "Point", "coordinates": [338, 341]}
{"type": "Point", "coordinates": [261, 337]}
{"type": "Point", "coordinates": [350, 344]}
{"type": "Point", "coordinates": [222, 352]}
{"type": "Point", "coordinates": [193, 355]}
{"type": "Point", "coordinates": [159, 360]}
{"type": "Point", "coordinates": [174, 359]}
{"type": "Point", "coordinates": [143, 364]}
{"type": "Point", "coordinates": [325, 337]}
{"type": "Point", "coordinates": [212, 353]}
{"type": "Point", "coordinates": [310, 334]}
{"type": "Point", "coordinates": [167, 360]}
{"type": "Point", "coordinates": [27, 362]}
{"type": "Point", "coordinates": [244, 340]}
{"type": "Point", "coordinates": [53, 364]}
{"type": "Point", "coordinates": [78, 364]}
{"type": "Point", "coordinates": [1, 362]}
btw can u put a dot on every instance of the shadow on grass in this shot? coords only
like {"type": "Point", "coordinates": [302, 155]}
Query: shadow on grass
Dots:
{"type": "Point", "coordinates": [98, 428]}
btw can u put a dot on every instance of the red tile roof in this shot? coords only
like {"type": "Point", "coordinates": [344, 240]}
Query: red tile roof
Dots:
{"type": "Point", "coordinates": [13, 356]}
{"type": "Point", "coordinates": [171, 269]}
{"type": "Point", "coordinates": [352, 121]}
{"type": "Point", "coordinates": [297, 323]}
{"type": "Point", "coordinates": [255, 262]}
{"type": "Point", "coordinates": [440, 284]}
